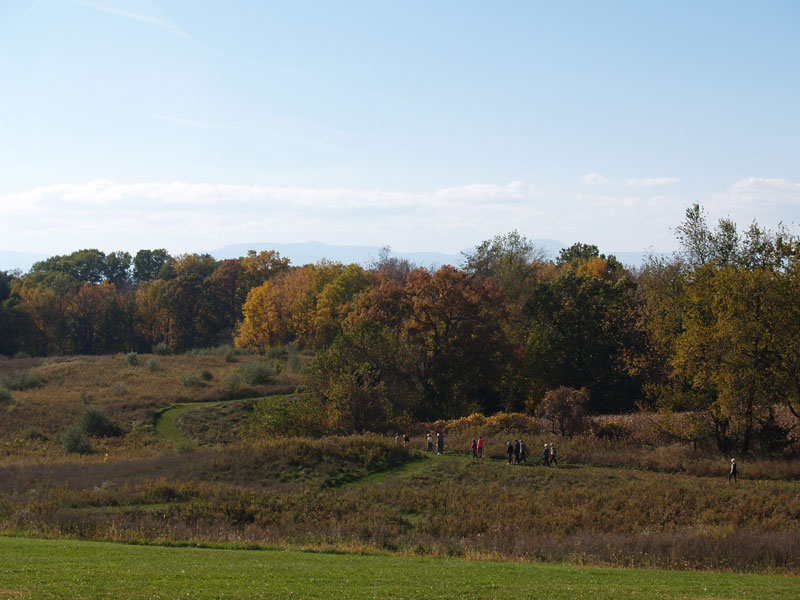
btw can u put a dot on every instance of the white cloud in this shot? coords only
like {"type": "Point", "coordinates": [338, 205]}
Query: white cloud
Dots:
{"type": "Point", "coordinates": [766, 200]}
{"type": "Point", "coordinates": [651, 181]}
{"type": "Point", "coordinates": [617, 202]}
{"type": "Point", "coordinates": [595, 179]}
{"type": "Point", "coordinates": [204, 216]}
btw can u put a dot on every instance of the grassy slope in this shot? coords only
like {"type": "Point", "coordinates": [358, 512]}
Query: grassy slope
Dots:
{"type": "Point", "coordinates": [69, 569]}
{"type": "Point", "coordinates": [648, 511]}
{"type": "Point", "coordinates": [131, 395]}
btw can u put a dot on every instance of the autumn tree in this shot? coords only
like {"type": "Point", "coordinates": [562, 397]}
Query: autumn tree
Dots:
{"type": "Point", "coordinates": [452, 328]}
{"type": "Point", "coordinates": [735, 347]}
{"type": "Point", "coordinates": [271, 310]}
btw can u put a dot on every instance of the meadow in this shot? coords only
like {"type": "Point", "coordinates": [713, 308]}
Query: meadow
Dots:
{"type": "Point", "coordinates": [188, 465]}
{"type": "Point", "coordinates": [68, 569]}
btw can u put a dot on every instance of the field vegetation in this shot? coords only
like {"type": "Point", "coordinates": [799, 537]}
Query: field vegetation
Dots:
{"type": "Point", "coordinates": [67, 569]}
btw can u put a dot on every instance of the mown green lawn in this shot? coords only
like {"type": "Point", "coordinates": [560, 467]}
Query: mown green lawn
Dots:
{"type": "Point", "coordinates": [32, 568]}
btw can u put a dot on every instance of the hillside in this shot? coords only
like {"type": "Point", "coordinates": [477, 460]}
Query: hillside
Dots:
{"type": "Point", "coordinates": [615, 502]}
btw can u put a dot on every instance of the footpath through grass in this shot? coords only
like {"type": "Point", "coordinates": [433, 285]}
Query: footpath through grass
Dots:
{"type": "Point", "coordinates": [33, 568]}
{"type": "Point", "coordinates": [167, 421]}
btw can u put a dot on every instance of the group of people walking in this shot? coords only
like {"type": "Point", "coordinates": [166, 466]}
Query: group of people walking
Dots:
{"type": "Point", "coordinates": [439, 442]}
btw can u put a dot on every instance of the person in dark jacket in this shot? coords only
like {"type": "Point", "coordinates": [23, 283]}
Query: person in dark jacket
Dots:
{"type": "Point", "coordinates": [523, 451]}
{"type": "Point", "coordinates": [516, 451]}
{"type": "Point", "coordinates": [546, 456]}
{"type": "Point", "coordinates": [553, 458]}
{"type": "Point", "coordinates": [439, 443]}
{"type": "Point", "coordinates": [510, 452]}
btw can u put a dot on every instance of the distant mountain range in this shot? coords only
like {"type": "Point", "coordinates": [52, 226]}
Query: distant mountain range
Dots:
{"type": "Point", "coordinates": [312, 252]}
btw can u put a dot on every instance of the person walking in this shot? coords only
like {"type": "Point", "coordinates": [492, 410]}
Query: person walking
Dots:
{"type": "Point", "coordinates": [516, 452]}
{"type": "Point", "coordinates": [439, 443]}
{"type": "Point", "coordinates": [732, 474]}
{"type": "Point", "coordinates": [480, 447]}
{"type": "Point", "coordinates": [523, 451]}
{"type": "Point", "coordinates": [546, 456]}
{"type": "Point", "coordinates": [474, 448]}
{"type": "Point", "coordinates": [553, 458]}
{"type": "Point", "coordinates": [429, 439]}
{"type": "Point", "coordinates": [510, 452]}
{"type": "Point", "coordinates": [406, 439]}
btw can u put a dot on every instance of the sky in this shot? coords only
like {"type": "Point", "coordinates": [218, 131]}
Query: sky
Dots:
{"type": "Point", "coordinates": [424, 126]}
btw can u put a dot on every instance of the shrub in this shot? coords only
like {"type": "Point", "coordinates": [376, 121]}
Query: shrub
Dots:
{"type": "Point", "coordinates": [232, 383]}
{"type": "Point", "coordinates": [162, 349]}
{"type": "Point", "coordinates": [96, 423]}
{"type": "Point", "coordinates": [294, 364]}
{"type": "Point", "coordinates": [277, 353]}
{"type": "Point", "coordinates": [75, 440]}
{"type": "Point", "coordinates": [206, 375]}
{"type": "Point", "coordinates": [186, 446]}
{"type": "Point", "coordinates": [517, 422]}
{"type": "Point", "coordinates": [132, 359]}
{"type": "Point", "coordinates": [609, 430]}
{"type": "Point", "coordinates": [33, 434]}
{"type": "Point", "coordinates": [565, 408]}
{"type": "Point", "coordinates": [256, 373]}
{"type": "Point", "coordinates": [20, 355]}
{"type": "Point", "coordinates": [191, 380]}
{"type": "Point", "coordinates": [5, 396]}
{"type": "Point", "coordinates": [120, 389]}
{"type": "Point", "coordinates": [20, 380]}
{"type": "Point", "coordinates": [153, 364]}
{"type": "Point", "coordinates": [290, 415]}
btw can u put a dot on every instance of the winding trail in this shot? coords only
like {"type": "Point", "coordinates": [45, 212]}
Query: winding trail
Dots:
{"type": "Point", "coordinates": [166, 422]}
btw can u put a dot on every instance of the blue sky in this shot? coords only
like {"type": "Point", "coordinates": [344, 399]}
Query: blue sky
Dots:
{"type": "Point", "coordinates": [421, 125]}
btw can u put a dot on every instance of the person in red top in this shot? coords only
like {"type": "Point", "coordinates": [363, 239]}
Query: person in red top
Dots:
{"type": "Point", "coordinates": [480, 447]}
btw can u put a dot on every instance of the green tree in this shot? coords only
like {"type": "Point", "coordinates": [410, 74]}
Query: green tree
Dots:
{"type": "Point", "coordinates": [147, 264]}
{"type": "Point", "coordinates": [733, 347]}
{"type": "Point", "coordinates": [361, 379]}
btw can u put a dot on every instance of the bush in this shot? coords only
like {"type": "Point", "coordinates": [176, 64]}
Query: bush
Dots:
{"type": "Point", "coordinates": [20, 380]}
{"type": "Point", "coordinates": [96, 423]}
{"type": "Point", "coordinates": [20, 355]}
{"type": "Point", "coordinates": [153, 364]}
{"type": "Point", "coordinates": [5, 396]}
{"type": "Point", "coordinates": [132, 359]}
{"type": "Point", "coordinates": [565, 408]}
{"type": "Point", "coordinates": [256, 373]}
{"type": "Point", "coordinates": [162, 349]}
{"type": "Point", "coordinates": [191, 380]}
{"type": "Point", "coordinates": [75, 440]}
{"type": "Point", "coordinates": [206, 375]}
{"type": "Point", "coordinates": [33, 434]}
{"type": "Point", "coordinates": [232, 383]}
{"type": "Point", "coordinates": [277, 353]}
{"type": "Point", "coordinates": [120, 389]}
{"type": "Point", "coordinates": [294, 364]}
{"type": "Point", "coordinates": [609, 430]}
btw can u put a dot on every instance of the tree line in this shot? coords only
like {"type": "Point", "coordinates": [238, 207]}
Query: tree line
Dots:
{"type": "Point", "coordinates": [713, 329]}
